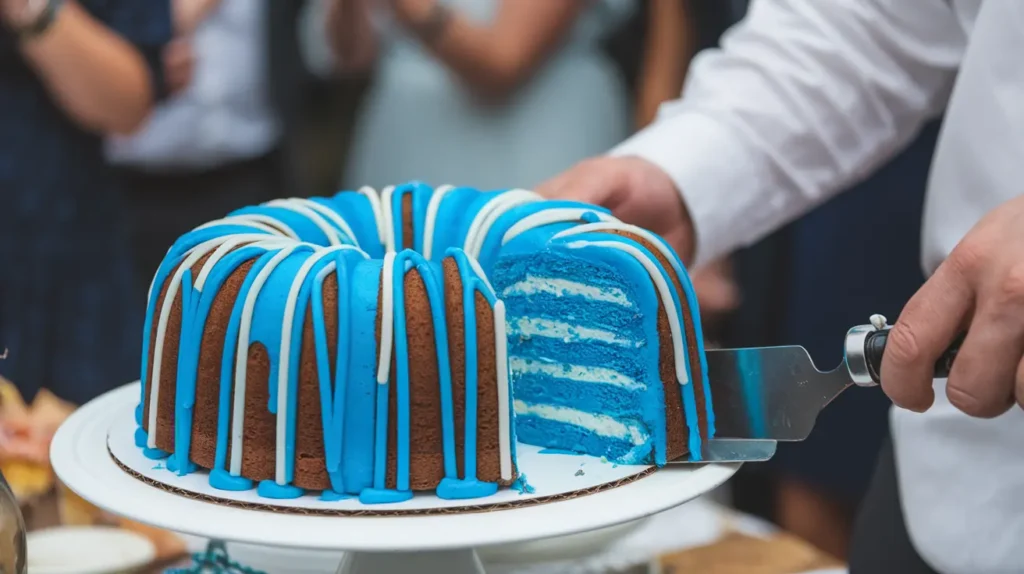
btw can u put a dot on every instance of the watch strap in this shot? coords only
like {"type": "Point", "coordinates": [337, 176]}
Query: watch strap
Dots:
{"type": "Point", "coordinates": [42, 21]}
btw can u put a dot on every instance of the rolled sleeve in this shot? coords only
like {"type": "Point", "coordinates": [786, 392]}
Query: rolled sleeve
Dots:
{"type": "Point", "coordinates": [803, 99]}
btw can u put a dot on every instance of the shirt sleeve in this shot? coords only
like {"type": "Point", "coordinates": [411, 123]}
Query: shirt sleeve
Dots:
{"type": "Point", "coordinates": [146, 24]}
{"type": "Point", "coordinates": [803, 99]}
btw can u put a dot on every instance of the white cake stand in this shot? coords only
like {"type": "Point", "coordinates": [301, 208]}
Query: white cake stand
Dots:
{"type": "Point", "coordinates": [383, 544]}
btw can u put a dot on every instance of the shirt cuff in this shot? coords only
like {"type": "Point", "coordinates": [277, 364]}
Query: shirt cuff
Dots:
{"type": "Point", "coordinates": [721, 179]}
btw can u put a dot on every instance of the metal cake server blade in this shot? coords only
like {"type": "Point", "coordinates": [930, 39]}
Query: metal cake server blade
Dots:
{"type": "Point", "coordinates": [763, 395]}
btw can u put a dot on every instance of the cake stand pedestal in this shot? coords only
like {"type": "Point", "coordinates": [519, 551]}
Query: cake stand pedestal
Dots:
{"type": "Point", "coordinates": [427, 544]}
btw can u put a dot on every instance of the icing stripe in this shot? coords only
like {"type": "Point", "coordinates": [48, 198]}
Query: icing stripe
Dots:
{"type": "Point", "coordinates": [432, 210]}
{"type": "Point", "coordinates": [533, 285]}
{"type": "Point", "coordinates": [286, 378]}
{"type": "Point", "coordinates": [490, 213]}
{"type": "Point", "coordinates": [541, 327]}
{"type": "Point", "coordinates": [599, 424]}
{"type": "Point", "coordinates": [684, 279]}
{"type": "Point", "coordinates": [664, 291]}
{"type": "Point", "coordinates": [242, 357]}
{"type": "Point", "coordinates": [549, 216]}
{"type": "Point", "coordinates": [581, 373]}
{"type": "Point", "coordinates": [189, 260]}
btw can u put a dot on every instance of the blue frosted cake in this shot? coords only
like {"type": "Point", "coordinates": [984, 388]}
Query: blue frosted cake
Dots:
{"type": "Point", "coordinates": [378, 344]}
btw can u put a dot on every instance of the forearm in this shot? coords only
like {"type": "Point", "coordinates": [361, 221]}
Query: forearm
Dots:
{"type": "Point", "coordinates": [98, 78]}
{"type": "Point", "coordinates": [668, 49]}
{"type": "Point", "coordinates": [351, 34]}
{"type": "Point", "coordinates": [494, 59]}
{"type": "Point", "coordinates": [804, 99]}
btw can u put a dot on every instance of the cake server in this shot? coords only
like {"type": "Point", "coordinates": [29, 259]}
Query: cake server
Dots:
{"type": "Point", "coordinates": [763, 395]}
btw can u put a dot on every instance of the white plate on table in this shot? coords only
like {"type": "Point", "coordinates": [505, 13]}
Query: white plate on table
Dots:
{"type": "Point", "coordinates": [88, 550]}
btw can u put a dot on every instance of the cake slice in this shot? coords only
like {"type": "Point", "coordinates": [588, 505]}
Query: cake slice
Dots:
{"type": "Point", "coordinates": [605, 349]}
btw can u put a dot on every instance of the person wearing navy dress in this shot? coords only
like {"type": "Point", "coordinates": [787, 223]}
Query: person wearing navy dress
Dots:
{"type": "Point", "coordinates": [71, 72]}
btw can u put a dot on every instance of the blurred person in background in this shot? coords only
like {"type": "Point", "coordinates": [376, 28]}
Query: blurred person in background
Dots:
{"type": "Point", "coordinates": [70, 73]}
{"type": "Point", "coordinates": [223, 141]}
{"type": "Point", "coordinates": [485, 93]}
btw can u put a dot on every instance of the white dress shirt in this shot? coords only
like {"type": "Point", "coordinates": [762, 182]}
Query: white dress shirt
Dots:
{"type": "Point", "coordinates": [806, 98]}
{"type": "Point", "coordinates": [224, 115]}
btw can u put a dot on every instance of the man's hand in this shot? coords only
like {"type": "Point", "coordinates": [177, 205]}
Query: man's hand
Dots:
{"type": "Point", "coordinates": [978, 289]}
{"type": "Point", "coordinates": [635, 190]}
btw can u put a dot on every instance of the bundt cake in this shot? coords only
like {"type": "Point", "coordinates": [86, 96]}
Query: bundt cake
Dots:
{"type": "Point", "coordinates": [378, 344]}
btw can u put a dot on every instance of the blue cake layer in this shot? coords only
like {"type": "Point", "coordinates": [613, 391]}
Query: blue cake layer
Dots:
{"type": "Point", "coordinates": [540, 431]}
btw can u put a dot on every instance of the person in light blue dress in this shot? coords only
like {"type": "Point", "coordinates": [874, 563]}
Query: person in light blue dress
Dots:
{"type": "Point", "coordinates": [486, 93]}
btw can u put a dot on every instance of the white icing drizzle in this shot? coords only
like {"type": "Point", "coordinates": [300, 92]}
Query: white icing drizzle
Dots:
{"type": "Point", "coordinates": [389, 218]}
{"type": "Point", "coordinates": [387, 318]}
{"type": "Point", "coordinates": [290, 310]}
{"type": "Point", "coordinates": [271, 224]}
{"type": "Point", "coordinates": [666, 298]}
{"type": "Point", "coordinates": [489, 214]}
{"type": "Point", "coordinates": [431, 221]}
{"type": "Point", "coordinates": [504, 416]}
{"type": "Point", "coordinates": [549, 216]}
{"type": "Point", "coordinates": [242, 357]}
{"type": "Point", "coordinates": [193, 255]}
{"type": "Point", "coordinates": [329, 213]}
{"type": "Point", "coordinates": [231, 244]}
{"type": "Point", "coordinates": [240, 220]}
{"type": "Point", "coordinates": [373, 197]}
{"type": "Point", "coordinates": [298, 207]}
{"type": "Point", "coordinates": [480, 273]}
{"type": "Point", "coordinates": [615, 225]}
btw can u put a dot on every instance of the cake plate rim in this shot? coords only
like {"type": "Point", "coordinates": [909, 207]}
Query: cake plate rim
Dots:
{"type": "Point", "coordinates": [83, 463]}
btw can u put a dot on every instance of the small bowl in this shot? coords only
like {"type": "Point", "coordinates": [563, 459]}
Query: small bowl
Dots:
{"type": "Point", "coordinates": [88, 550]}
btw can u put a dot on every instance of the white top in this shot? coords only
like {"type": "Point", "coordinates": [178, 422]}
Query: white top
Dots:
{"type": "Point", "coordinates": [808, 97]}
{"type": "Point", "coordinates": [225, 114]}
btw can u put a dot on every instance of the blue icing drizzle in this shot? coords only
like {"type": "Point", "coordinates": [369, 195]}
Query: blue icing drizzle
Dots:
{"type": "Point", "coordinates": [332, 496]}
{"type": "Point", "coordinates": [355, 209]}
{"type": "Point", "coordinates": [450, 225]}
{"type": "Point", "coordinates": [219, 476]}
{"type": "Point", "coordinates": [361, 386]}
{"type": "Point", "coordinates": [403, 262]}
{"type": "Point", "coordinates": [469, 487]}
{"type": "Point", "coordinates": [175, 255]}
{"type": "Point", "coordinates": [332, 401]}
{"type": "Point", "coordinates": [271, 489]}
{"type": "Point", "coordinates": [558, 451]}
{"type": "Point", "coordinates": [304, 227]}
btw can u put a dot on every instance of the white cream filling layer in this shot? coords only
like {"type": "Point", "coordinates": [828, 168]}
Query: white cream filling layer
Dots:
{"type": "Point", "coordinates": [583, 374]}
{"type": "Point", "coordinates": [538, 327]}
{"type": "Point", "coordinates": [599, 424]}
{"type": "Point", "coordinates": [534, 285]}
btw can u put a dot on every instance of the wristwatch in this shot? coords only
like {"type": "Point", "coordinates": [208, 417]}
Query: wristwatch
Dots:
{"type": "Point", "coordinates": [42, 14]}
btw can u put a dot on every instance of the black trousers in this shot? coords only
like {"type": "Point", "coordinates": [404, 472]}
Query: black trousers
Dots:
{"type": "Point", "coordinates": [881, 543]}
{"type": "Point", "coordinates": [164, 206]}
